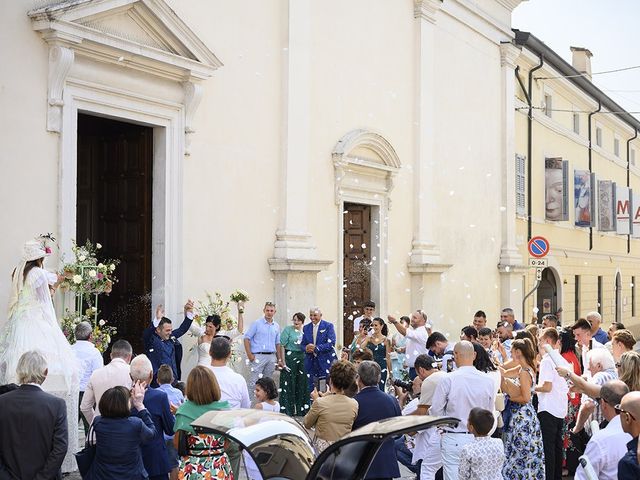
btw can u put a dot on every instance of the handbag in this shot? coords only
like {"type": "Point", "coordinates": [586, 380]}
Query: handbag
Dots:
{"type": "Point", "coordinates": [85, 457]}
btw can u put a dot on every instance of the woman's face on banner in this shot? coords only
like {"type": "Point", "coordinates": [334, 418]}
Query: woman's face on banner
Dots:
{"type": "Point", "coordinates": [554, 193]}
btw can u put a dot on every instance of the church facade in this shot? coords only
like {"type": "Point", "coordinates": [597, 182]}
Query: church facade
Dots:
{"type": "Point", "coordinates": [310, 153]}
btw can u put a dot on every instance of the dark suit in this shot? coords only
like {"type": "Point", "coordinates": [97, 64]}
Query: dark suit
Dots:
{"type": "Point", "coordinates": [118, 443]}
{"type": "Point", "coordinates": [164, 351]}
{"type": "Point", "coordinates": [318, 363]}
{"type": "Point", "coordinates": [374, 405]}
{"type": "Point", "coordinates": [33, 434]}
{"type": "Point", "coordinates": [154, 453]}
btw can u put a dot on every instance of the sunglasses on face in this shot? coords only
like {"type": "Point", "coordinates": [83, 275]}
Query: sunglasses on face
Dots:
{"type": "Point", "coordinates": [620, 411]}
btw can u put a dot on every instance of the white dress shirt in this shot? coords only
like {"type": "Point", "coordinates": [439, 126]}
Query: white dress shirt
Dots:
{"type": "Point", "coordinates": [604, 451]}
{"type": "Point", "coordinates": [555, 402]}
{"type": "Point", "coordinates": [90, 360]}
{"type": "Point", "coordinates": [233, 387]}
{"type": "Point", "coordinates": [460, 391]}
{"type": "Point", "coordinates": [583, 352]}
{"type": "Point", "coordinates": [416, 344]}
{"type": "Point", "coordinates": [116, 373]}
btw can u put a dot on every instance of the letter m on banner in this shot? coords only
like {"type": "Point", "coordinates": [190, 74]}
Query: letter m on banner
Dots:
{"type": "Point", "coordinates": [635, 218]}
{"type": "Point", "coordinates": [623, 211]}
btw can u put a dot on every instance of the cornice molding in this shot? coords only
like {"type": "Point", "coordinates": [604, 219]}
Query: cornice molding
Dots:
{"type": "Point", "coordinates": [509, 54]}
{"type": "Point", "coordinates": [426, 9]}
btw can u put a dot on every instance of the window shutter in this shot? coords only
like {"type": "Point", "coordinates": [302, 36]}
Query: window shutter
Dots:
{"type": "Point", "coordinates": [521, 172]}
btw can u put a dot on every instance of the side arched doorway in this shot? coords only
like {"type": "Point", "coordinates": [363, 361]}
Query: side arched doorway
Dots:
{"type": "Point", "coordinates": [547, 294]}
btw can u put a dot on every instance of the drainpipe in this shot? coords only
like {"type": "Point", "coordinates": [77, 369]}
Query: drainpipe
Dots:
{"type": "Point", "coordinates": [590, 151]}
{"type": "Point", "coordinates": [635, 130]}
{"type": "Point", "coordinates": [528, 95]}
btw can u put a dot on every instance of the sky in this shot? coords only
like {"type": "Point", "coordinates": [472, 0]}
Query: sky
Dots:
{"type": "Point", "coordinates": [608, 28]}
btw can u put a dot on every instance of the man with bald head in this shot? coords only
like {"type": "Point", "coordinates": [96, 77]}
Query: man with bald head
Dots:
{"type": "Point", "coordinates": [456, 394]}
{"type": "Point", "coordinates": [416, 336]}
{"type": "Point", "coordinates": [629, 409]}
{"type": "Point", "coordinates": [608, 446]}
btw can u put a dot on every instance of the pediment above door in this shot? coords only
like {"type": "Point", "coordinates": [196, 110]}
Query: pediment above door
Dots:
{"type": "Point", "coordinates": [142, 34]}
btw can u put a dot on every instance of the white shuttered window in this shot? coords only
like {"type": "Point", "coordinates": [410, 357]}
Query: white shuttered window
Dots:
{"type": "Point", "coordinates": [521, 185]}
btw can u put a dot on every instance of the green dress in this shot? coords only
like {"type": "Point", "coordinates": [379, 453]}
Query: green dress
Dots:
{"type": "Point", "coordinates": [208, 460]}
{"type": "Point", "coordinates": [380, 357]}
{"type": "Point", "coordinates": [294, 393]}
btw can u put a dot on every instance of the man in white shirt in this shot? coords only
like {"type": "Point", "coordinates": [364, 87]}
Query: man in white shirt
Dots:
{"type": "Point", "coordinates": [233, 386]}
{"type": "Point", "coordinates": [427, 444]}
{"type": "Point", "coordinates": [608, 446]}
{"type": "Point", "coordinates": [116, 373]}
{"type": "Point", "coordinates": [89, 358]}
{"type": "Point", "coordinates": [552, 392]}
{"type": "Point", "coordinates": [456, 394]}
{"type": "Point", "coordinates": [584, 338]}
{"type": "Point", "coordinates": [602, 367]}
{"type": "Point", "coordinates": [369, 312]}
{"type": "Point", "coordinates": [416, 336]}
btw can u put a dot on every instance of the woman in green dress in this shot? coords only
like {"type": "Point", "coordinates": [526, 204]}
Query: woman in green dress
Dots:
{"type": "Point", "coordinates": [380, 345]}
{"type": "Point", "coordinates": [294, 393]}
{"type": "Point", "coordinates": [206, 454]}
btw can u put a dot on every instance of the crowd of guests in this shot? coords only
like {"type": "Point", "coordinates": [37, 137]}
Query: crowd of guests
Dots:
{"type": "Point", "coordinates": [534, 401]}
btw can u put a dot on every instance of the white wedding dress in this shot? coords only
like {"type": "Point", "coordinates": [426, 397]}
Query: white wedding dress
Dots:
{"type": "Point", "coordinates": [203, 354]}
{"type": "Point", "coordinates": [33, 326]}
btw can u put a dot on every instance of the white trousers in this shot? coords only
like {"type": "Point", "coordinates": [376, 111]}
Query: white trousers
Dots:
{"type": "Point", "coordinates": [451, 444]}
{"type": "Point", "coordinates": [428, 450]}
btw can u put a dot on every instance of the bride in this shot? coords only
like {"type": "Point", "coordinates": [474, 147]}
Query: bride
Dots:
{"type": "Point", "coordinates": [32, 325]}
{"type": "Point", "coordinates": [213, 328]}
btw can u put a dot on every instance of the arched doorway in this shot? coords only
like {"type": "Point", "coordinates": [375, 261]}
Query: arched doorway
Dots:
{"type": "Point", "coordinates": [618, 297]}
{"type": "Point", "coordinates": [547, 294]}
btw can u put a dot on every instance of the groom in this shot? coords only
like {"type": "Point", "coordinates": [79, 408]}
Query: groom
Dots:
{"type": "Point", "coordinates": [318, 341]}
{"type": "Point", "coordinates": [161, 342]}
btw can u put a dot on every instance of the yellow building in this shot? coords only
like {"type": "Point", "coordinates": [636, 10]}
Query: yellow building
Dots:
{"type": "Point", "coordinates": [578, 186]}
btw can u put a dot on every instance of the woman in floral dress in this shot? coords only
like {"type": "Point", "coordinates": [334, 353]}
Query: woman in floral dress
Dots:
{"type": "Point", "coordinates": [523, 439]}
{"type": "Point", "coordinates": [207, 458]}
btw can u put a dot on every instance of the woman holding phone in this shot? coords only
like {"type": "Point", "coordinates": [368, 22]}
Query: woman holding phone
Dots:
{"type": "Point", "coordinates": [332, 414]}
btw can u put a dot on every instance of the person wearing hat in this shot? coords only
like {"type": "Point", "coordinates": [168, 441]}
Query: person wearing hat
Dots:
{"type": "Point", "coordinates": [32, 322]}
{"type": "Point", "coordinates": [32, 325]}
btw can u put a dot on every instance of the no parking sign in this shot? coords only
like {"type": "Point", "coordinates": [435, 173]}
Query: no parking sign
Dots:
{"type": "Point", "coordinates": [538, 247]}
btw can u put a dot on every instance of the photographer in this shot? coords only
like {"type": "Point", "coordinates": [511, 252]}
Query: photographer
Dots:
{"type": "Point", "coordinates": [405, 444]}
{"type": "Point", "coordinates": [427, 442]}
{"type": "Point", "coordinates": [362, 338]}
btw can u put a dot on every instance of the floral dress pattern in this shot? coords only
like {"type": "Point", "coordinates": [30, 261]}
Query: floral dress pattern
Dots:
{"type": "Point", "coordinates": [523, 442]}
{"type": "Point", "coordinates": [211, 461]}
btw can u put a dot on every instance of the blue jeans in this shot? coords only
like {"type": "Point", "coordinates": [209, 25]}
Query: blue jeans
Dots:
{"type": "Point", "coordinates": [404, 456]}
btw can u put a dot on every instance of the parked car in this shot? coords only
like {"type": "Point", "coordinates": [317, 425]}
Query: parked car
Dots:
{"type": "Point", "coordinates": [282, 449]}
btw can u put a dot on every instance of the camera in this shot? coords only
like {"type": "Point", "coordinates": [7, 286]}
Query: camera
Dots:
{"type": "Point", "coordinates": [408, 386]}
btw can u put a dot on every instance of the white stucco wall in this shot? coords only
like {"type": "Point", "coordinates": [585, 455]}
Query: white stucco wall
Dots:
{"type": "Point", "coordinates": [363, 76]}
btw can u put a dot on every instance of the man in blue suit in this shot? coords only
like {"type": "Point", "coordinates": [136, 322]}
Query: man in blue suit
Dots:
{"type": "Point", "coordinates": [154, 453]}
{"type": "Point", "coordinates": [161, 342]}
{"type": "Point", "coordinates": [375, 405]}
{"type": "Point", "coordinates": [318, 341]}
